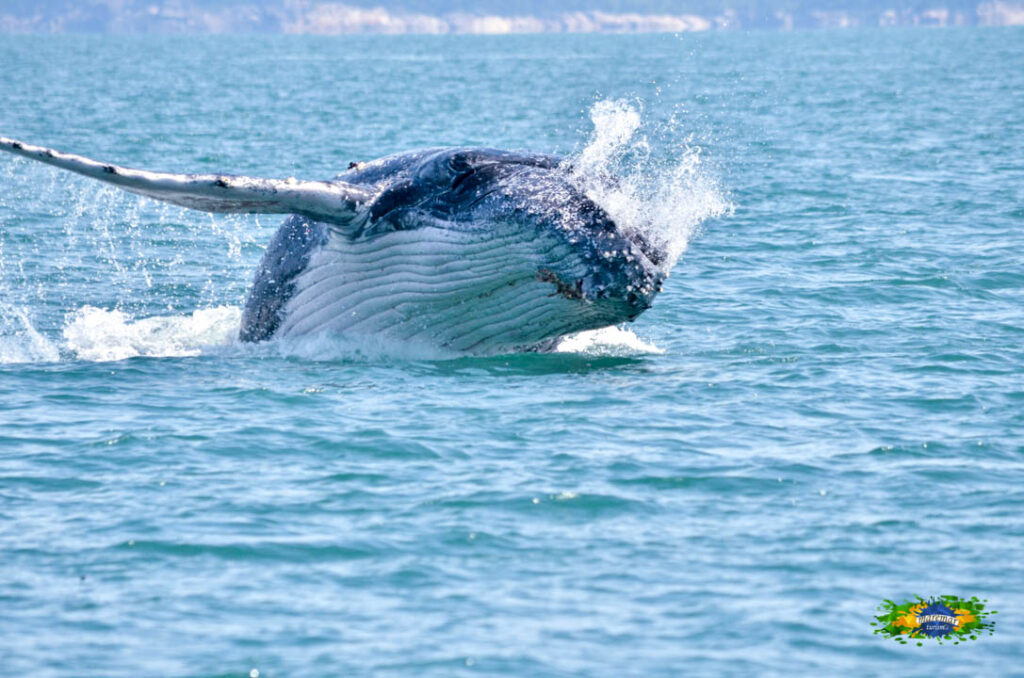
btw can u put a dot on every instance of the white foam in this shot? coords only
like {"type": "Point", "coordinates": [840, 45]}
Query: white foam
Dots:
{"type": "Point", "coordinates": [97, 334]}
{"type": "Point", "coordinates": [661, 189]}
{"type": "Point", "coordinates": [607, 341]}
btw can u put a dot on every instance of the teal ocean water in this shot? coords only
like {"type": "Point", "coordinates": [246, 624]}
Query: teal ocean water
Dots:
{"type": "Point", "coordinates": [825, 407]}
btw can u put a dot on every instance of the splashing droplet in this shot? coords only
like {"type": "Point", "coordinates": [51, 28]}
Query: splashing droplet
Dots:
{"type": "Point", "coordinates": [659, 189]}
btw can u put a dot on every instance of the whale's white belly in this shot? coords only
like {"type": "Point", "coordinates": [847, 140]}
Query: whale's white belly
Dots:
{"type": "Point", "coordinates": [466, 290]}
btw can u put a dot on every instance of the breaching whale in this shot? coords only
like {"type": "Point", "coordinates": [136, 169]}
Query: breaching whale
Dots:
{"type": "Point", "coordinates": [474, 250]}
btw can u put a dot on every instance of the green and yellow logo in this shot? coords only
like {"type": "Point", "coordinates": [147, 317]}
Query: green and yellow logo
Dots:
{"type": "Point", "coordinates": [941, 619]}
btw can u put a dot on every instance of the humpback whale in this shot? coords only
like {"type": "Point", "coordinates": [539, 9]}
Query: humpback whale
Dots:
{"type": "Point", "coordinates": [474, 250]}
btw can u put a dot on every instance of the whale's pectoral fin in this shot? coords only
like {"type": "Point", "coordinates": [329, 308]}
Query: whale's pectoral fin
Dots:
{"type": "Point", "coordinates": [334, 202]}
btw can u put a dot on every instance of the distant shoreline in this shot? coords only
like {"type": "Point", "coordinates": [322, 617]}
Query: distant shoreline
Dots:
{"type": "Point", "coordinates": [331, 18]}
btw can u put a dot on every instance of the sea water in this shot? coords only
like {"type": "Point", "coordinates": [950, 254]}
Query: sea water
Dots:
{"type": "Point", "coordinates": [823, 409]}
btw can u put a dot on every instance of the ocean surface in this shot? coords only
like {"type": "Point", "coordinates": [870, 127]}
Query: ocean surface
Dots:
{"type": "Point", "coordinates": [824, 408]}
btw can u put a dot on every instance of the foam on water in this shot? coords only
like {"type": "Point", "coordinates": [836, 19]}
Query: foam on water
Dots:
{"type": "Point", "coordinates": [607, 341]}
{"type": "Point", "coordinates": [646, 178]}
{"type": "Point", "coordinates": [98, 334]}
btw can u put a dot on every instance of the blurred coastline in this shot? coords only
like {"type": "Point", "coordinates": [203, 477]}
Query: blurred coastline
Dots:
{"type": "Point", "coordinates": [486, 17]}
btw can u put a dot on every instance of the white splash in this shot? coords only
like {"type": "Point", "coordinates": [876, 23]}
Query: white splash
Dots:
{"type": "Point", "coordinates": [607, 341]}
{"type": "Point", "coordinates": [98, 334]}
{"type": "Point", "coordinates": [663, 193]}
{"type": "Point", "coordinates": [615, 123]}
{"type": "Point", "coordinates": [20, 341]}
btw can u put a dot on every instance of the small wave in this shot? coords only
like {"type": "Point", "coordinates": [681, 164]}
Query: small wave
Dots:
{"type": "Point", "coordinates": [646, 177]}
{"type": "Point", "coordinates": [101, 335]}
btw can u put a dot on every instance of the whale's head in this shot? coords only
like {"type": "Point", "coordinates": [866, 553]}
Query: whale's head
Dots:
{"type": "Point", "coordinates": [550, 260]}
